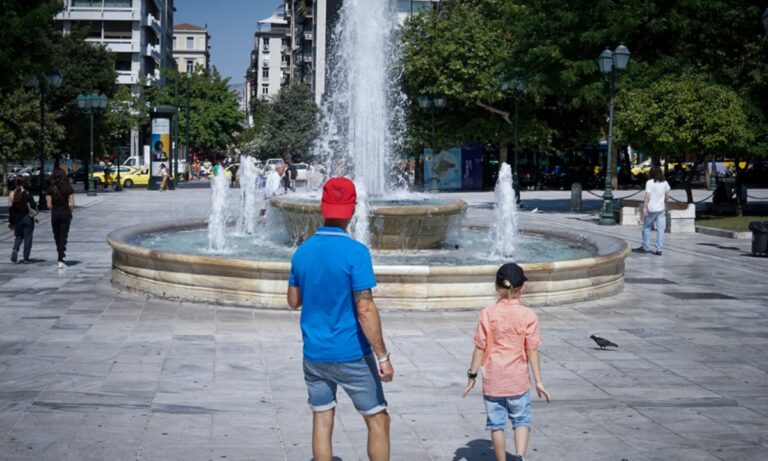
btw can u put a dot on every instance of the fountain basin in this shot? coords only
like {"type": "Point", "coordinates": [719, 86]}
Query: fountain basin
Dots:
{"type": "Point", "coordinates": [394, 225]}
{"type": "Point", "coordinates": [263, 284]}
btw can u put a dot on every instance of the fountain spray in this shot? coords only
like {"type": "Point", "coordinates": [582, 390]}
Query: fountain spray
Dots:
{"type": "Point", "coordinates": [504, 227]}
{"type": "Point", "coordinates": [248, 193]}
{"type": "Point", "coordinates": [217, 218]}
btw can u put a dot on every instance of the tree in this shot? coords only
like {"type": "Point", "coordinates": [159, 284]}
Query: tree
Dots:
{"type": "Point", "coordinates": [291, 128]}
{"type": "Point", "coordinates": [28, 32]}
{"type": "Point", "coordinates": [125, 112]}
{"type": "Point", "coordinates": [86, 68]}
{"type": "Point", "coordinates": [676, 116]}
{"type": "Point", "coordinates": [215, 116]}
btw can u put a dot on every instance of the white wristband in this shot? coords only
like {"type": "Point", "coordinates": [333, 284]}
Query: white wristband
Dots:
{"type": "Point", "coordinates": [383, 359]}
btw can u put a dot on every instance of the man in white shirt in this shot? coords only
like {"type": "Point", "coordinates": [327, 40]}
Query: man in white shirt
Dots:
{"type": "Point", "coordinates": [274, 186]}
{"type": "Point", "coordinates": [654, 210]}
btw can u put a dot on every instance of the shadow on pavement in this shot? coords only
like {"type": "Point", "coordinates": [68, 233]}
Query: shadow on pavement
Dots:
{"type": "Point", "coordinates": [477, 450]}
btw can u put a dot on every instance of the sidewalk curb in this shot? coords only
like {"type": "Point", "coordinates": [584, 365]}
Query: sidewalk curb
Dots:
{"type": "Point", "coordinates": [724, 233]}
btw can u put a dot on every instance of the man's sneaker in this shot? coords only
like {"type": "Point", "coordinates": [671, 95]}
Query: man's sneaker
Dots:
{"type": "Point", "coordinates": [14, 256]}
{"type": "Point", "coordinates": [658, 253]}
{"type": "Point", "coordinates": [639, 250]}
{"type": "Point", "coordinates": [62, 265]}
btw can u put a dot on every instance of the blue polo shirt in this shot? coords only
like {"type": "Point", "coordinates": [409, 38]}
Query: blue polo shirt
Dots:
{"type": "Point", "coordinates": [328, 268]}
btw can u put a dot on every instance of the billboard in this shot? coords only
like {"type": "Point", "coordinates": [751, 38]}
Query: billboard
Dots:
{"type": "Point", "coordinates": [160, 144]}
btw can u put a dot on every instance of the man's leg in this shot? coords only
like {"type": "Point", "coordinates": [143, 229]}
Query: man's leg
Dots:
{"type": "Point", "coordinates": [661, 226]}
{"type": "Point", "coordinates": [647, 223]}
{"type": "Point", "coordinates": [322, 435]}
{"type": "Point", "coordinates": [378, 436]}
{"type": "Point", "coordinates": [29, 229]}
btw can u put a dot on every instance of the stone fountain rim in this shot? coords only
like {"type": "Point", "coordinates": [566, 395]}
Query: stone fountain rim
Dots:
{"type": "Point", "coordinates": [608, 248]}
{"type": "Point", "coordinates": [453, 207]}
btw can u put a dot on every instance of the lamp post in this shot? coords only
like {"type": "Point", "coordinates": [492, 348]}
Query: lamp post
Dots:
{"type": "Point", "coordinates": [91, 103]}
{"type": "Point", "coordinates": [52, 80]}
{"type": "Point", "coordinates": [432, 104]}
{"type": "Point", "coordinates": [611, 63]}
{"type": "Point", "coordinates": [186, 128]}
{"type": "Point", "coordinates": [518, 88]}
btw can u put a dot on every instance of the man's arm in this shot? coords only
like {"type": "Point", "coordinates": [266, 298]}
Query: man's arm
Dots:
{"type": "Point", "coordinates": [370, 322]}
{"type": "Point", "coordinates": [294, 297]}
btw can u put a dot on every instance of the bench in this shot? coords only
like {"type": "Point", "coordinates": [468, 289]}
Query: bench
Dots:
{"type": "Point", "coordinates": [680, 216]}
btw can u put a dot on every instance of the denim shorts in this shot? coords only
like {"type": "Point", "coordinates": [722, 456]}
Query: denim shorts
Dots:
{"type": "Point", "coordinates": [359, 379]}
{"type": "Point", "coordinates": [517, 408]}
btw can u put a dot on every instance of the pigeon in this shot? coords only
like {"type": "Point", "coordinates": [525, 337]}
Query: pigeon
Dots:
{"type": "Point", "coordinates": [535, 210]}
{"type": "Point", "coordinates": [603, 343]}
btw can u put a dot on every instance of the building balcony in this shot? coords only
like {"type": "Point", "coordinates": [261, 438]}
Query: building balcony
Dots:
{"type": "Point", "coordinates": [152, 51]}
{"type": "Point", "coordinates": [283, 65]}
{"type": "Point", "coordinates": [308, 36]}
{"type": "Point", "coordinates": [306, 59]}
{"type": "Point", "coordinates": [154, 24]}
{"type": "Point", "coordinates": [126, 77]}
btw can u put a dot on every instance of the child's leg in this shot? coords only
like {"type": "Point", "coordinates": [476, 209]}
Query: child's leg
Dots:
{"type": "Point", "coordinates": [499, 446]}
{"type": "Point", "coordinates": [521, 440]}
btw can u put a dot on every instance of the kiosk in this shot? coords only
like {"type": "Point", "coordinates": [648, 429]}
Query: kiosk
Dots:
{"type": "Point", "coordinates": [161, 123]}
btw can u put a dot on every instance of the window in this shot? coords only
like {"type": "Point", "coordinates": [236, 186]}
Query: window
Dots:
{"type": "Point", "coordinates": [190, 42]}
{"type": "Point", "coordinates": [265, 89]}
{"type": "Point", "coordinates": [190, 66]}
{"type": "Point", "coordinates": [265, 73]}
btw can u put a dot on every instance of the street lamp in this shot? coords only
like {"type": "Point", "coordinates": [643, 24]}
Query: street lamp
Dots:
{"type": "Point", "coordinates": [52, 80]}
{"type": "Point", "coordinates": [611, 63]}
{"type": "Point", "coordinates": [518, 88]}
{"type": "Point", "coordinates": [432, 104]}
{"type": "Point", "coordinates": [91, 103]}
{"type": "Point", "coordinates": [186, 128]}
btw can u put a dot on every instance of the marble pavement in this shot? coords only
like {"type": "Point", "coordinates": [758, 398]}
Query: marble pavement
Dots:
{"type": "Point", "coordinates": [90, 373]}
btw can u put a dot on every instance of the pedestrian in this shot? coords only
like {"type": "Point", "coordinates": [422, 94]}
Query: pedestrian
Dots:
{"type": "Point", "coordinates": [22, 210]}
{"type": "Point", "coordinates": [164, 176]}
{"type": "Point", "coordinates": [288, 177]}
{"type": "Point", "coordinates": [61, 202]}
{"type": "Point", "coordinates": [274, 186]}
{"type": "Point", "coordinates": [654, 210]}
{"type": "Point", "coordinates": [506, 342]}
{"type": "Point", "coordinates": [331, 279]}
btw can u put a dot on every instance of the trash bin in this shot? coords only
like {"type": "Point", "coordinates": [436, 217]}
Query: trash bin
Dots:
{"type": "Point", "coordinates": [759, 237]}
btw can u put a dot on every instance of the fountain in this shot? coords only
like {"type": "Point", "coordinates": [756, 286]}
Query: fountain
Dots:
{"type": "Point", "coordinates": [217, 219]}
{"type": "Point", "coordinates": [249, 176]}
{"type": "Point", "coordinates": [423, 258]}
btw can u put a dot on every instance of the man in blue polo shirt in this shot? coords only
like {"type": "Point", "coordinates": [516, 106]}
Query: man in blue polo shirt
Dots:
{"type": "Point", "coordinates": [331, 280]}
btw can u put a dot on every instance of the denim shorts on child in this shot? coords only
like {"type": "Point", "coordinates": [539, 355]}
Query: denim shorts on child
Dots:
{"type": "Point", "coordinates": [517, 408]}
{"type": "Point", "coordinates": [359, 379]}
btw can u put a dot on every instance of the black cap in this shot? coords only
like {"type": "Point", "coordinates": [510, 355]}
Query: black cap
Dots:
{"type": "Point", "coordinates": [510, 275]}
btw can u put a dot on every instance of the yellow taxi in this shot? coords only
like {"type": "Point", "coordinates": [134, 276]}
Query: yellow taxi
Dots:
{"type": "Point", "coordinates": [137, 177]}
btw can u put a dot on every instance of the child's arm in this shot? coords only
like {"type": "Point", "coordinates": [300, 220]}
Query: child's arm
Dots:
{"type": "Point", "coordinates": [533, 359]}
{"type": "Point", "coordinates": [477, 357]}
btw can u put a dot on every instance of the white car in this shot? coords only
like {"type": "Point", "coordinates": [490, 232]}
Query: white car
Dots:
{"type": "Point", "coordinates": [301, 172]}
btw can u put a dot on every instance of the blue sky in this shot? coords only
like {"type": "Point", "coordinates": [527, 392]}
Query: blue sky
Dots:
{"type": "Point", "coordinates": [231, 24]}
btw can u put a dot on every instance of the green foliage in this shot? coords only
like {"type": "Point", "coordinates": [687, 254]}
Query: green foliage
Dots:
{"type": "Point", "coordinates": [86, 68]}
{"type": "Point", "coordinates": [125, 111]}
{"type": "Point", "coordinates": [462, 49]}
{"type": "Point", "coordinates": [291, 127]}
{"type": "Point", "coordinates": [683, 115]}
{"type": "Point", "coordinates": [20, 127]}
{"type": "Point", "coordinates": [214, 116]}
{"type": "Point", "coordinates": [27, 32]}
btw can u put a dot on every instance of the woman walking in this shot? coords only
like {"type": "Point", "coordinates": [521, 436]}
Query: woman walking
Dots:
{"type": "Point", "coordinates": [61, 202]}
{"type": "Point", "coordinates": [20, 205]}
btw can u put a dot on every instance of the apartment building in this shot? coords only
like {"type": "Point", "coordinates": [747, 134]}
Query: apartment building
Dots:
{"type": "Point", "coordinates": [191, 47]}
{"type": "Point", "coordinates": [139, 32]}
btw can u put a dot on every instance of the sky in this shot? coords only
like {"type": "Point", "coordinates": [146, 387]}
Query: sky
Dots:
{"type": "Point", "coordinates": [231, 24]}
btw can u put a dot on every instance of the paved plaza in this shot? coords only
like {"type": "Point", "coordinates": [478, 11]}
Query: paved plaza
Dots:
{"type": "Point", "coordinates": [90, 373]}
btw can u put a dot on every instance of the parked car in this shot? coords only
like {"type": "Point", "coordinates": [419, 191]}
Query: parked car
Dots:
{"type": "Point", "coordinates": [107, 176]}
{"type": "Point", "coordinates": [272, 163]}
{"type": "Point", "coordinates": [31, 175]}
{"type": "Point", "coordinates": [301, 172]}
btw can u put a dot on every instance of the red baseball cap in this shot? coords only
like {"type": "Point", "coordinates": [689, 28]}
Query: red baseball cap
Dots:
{"type": "Point", "coordinates": [339, 199]}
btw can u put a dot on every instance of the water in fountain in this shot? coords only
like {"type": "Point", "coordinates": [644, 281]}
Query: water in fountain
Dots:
{"type": "Point", "coordinates": [217, 218]}
{"type": "Point", "coordinates": [504, 229]}
{"type": "Point", "coordinates": [362, 113]}
{"type": "Point", "coordinates": [249, 176]}
{"type": "Point", "coordinates": [360, 221]}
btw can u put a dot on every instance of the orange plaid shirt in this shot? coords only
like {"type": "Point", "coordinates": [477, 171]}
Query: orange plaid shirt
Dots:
{"type": "Point", "coordinates": [506, 331]}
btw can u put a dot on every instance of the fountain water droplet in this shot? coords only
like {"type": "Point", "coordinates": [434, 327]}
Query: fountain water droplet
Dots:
{"type": "Point", "coordinates": [249, 178]}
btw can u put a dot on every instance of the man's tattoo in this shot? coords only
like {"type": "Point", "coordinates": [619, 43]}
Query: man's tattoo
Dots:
{"type": "Point", "coordinates": [365, 294]}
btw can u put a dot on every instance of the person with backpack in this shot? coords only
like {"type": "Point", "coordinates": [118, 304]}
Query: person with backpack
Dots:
{"type": "Point", "coordinates": [22, 210]}
{"type": "Point", "coordinates": [61, 202]}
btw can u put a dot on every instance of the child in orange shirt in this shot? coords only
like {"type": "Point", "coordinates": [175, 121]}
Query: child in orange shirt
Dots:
{"type": "Point", "coordinates": [505, 343]}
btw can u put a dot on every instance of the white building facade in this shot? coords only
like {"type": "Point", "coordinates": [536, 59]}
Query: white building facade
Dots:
{"type": "Point", "coordinates": [139, 32]}
{"type": "Point", "coordinates": [191, 47]}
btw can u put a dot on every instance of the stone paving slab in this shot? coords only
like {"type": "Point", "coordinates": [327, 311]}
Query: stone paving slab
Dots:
{"type": "Point", "coordinates": [90, 373]}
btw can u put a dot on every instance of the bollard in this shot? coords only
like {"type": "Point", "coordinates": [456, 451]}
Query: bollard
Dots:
{"type": "Point", "coordinates": [576, 196]}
